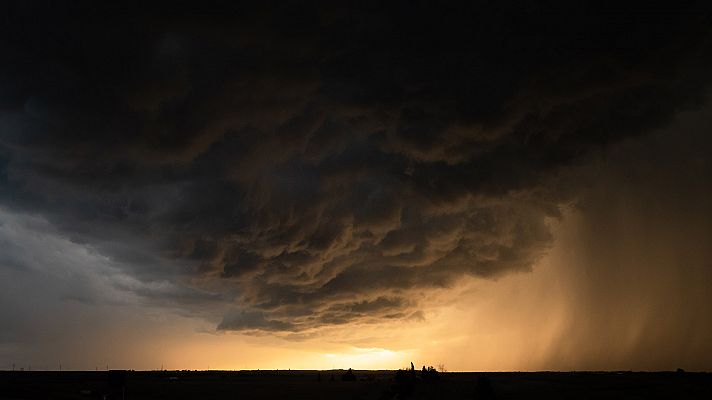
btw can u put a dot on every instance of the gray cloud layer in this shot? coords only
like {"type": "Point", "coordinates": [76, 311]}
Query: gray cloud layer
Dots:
{"type": "Point", "coordinates": [306, 166]}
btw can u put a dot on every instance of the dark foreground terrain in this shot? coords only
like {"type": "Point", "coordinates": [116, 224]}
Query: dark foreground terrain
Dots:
{"type": "Point", "coordinates": [367, 385]}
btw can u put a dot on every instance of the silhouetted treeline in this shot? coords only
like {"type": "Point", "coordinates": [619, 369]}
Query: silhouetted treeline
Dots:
{"type": "Point", "coordinates": [406, 381]}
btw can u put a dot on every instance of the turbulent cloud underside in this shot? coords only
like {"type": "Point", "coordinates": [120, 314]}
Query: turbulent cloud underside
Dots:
{"type": "Point", "coordinates": [308, 167]}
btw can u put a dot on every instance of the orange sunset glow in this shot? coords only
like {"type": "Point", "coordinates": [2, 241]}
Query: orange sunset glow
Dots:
{"type": "Point", "coordinates": [350, 194]}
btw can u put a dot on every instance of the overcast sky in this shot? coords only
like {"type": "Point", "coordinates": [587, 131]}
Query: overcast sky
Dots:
{"type": "Point", "coordinates": [492, 186]}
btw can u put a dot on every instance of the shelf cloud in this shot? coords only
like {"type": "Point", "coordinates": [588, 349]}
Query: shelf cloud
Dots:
{"type": "Point", "coordinates": [284, 170]}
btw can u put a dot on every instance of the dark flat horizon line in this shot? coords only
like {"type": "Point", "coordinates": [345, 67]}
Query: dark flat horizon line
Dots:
{"type": "Point", "coordinates": [366, 370]}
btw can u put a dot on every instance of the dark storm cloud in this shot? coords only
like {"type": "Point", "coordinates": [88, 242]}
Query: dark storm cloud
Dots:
{"type": "Point", "coordinates": [308, 165]}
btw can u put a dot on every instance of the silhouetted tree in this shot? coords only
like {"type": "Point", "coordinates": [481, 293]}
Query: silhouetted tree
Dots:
{"type": "Point", "coordinates": [429, 374]}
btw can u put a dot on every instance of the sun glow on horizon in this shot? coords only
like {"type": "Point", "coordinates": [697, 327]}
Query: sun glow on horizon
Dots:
{"type": "Point", "coordinates": [368, 358]}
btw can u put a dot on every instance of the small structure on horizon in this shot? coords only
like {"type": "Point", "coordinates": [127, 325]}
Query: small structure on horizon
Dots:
{"type": "Point", "coordinates": [349, 376]}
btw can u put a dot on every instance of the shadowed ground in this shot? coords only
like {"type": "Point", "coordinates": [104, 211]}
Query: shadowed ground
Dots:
{"type": "Point", "coordinates": [369, 385]}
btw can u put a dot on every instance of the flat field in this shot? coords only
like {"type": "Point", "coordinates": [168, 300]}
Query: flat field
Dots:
{"type": "Point", "coordinates": [368, 385]}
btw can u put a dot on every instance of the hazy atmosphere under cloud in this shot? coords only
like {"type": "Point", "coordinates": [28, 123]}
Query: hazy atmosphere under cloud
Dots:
{"type": "Point", "coordinates": [299, 185]}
